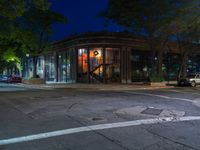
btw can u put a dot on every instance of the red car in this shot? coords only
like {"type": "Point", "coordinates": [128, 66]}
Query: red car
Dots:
{"type": "Point", "coordinates": [14, 79]}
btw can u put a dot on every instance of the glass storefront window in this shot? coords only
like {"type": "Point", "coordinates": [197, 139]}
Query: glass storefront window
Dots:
{"type": "Point", "coordinates": [65, 65]}
{"type": "Point", "coordinates": [27, 67]}
{"type": "Point", "coordinates": [82, 65]}
{"type": "Point", "coordinates": [62, 67]}
{"type": "Point", "coordinates": [40, 67]}
{"type": "Point", "coordinates": [70, 65]}
{"type": "Point", "coordinates": [112, 64]}
{"type": "Point", "coordinates": [171, 66]}
{"type": "Point", "coordinates": [50, 68]}
{"type": "Point", "coordinates": [96, 65]}
{"type": "Point", "coordinates": [140, 62]}
{"type": "Point", "coordinates": [193, 64]}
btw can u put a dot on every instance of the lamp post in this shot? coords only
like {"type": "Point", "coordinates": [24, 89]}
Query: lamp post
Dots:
{"type": "Point", "coordinates": [27, 66]}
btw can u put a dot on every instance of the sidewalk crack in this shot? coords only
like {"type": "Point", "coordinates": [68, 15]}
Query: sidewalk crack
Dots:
{"type": "Point", "coordinates": [171, 140]}
{"type": "Point", "coordinates": [117, 142]}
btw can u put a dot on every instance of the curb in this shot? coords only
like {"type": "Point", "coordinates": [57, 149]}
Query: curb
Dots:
{"type": "Point", "coordinates": [102, 87]}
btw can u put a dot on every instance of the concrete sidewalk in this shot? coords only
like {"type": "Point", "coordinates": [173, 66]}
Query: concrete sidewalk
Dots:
{"type": "Point", "coordinates": [96, 86]}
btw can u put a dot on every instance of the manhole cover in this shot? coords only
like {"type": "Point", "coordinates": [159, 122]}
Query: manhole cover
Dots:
{"type": "Point", "coordinates": [152, 111]}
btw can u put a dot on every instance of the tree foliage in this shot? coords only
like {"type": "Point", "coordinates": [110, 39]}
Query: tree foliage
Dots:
{"type": "Point", "coordinates": [143, 16]}
{"type": "Point", "coordinates": [157, 21]}
{"type": "Point", "coordinates": [186, 30]}
{"type": "Point", "coordinates": [12, 8]}
{"type": "Point", "coordinates": [35, 27]}
{"type": "Point", "coordinates": [28, 23]}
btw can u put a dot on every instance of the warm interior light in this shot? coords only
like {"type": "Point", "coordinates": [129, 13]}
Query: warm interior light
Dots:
{"type": "Point", "coordinates": [96, 53]}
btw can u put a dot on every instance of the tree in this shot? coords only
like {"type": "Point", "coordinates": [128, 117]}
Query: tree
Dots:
{"type": "Point", "coordinates": [10, 10]}
{"type": "Point", "coordinates": [11, 53]}
{"type": "Point", "coordinates": [34, 29]}
{"type": "Point", "coordinates": [28, 23]}
{"type": "Point", "coordinates": [147, 18]}
{"type": "Point", "coordinates": [186, 29]}
{"type": "Point", "coordinates": [14, 8]}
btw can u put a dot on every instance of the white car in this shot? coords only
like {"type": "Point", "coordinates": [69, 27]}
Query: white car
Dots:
{"type": "Point", "coordinates": [192, 79]}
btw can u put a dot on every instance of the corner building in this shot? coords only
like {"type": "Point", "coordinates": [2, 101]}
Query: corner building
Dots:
{"type": "Point", "coordinates": [103, 57]}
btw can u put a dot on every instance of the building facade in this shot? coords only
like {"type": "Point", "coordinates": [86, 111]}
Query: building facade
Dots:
{"type": "Point", "coordinates": [105, 58]}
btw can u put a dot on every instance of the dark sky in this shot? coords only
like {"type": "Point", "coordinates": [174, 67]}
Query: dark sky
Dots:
{"type": "Point", "coordinates": [82, 17]}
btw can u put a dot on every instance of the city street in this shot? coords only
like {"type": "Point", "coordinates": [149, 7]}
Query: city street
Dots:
{"type": "Point", "coordinates": [99, 119]}
{"type": "Point", "coordinates": [100, 75]}
{"type": "Point", "coordinates": [10, 87]}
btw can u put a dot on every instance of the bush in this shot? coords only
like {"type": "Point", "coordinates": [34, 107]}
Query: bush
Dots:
{"type": "Point", "coordinates": [156, 78]}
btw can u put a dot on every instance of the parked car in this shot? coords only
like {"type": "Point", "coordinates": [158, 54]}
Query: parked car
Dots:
{"type": "Point", "coordinates": [14, 79]}
{"type": "Point", "coordinates": [192, 80]}
{"type": "Point", "coordinates": [3, 78]}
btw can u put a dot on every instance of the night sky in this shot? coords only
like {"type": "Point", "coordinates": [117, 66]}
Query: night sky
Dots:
{"type": "Point", "coordinates": [82, 16]}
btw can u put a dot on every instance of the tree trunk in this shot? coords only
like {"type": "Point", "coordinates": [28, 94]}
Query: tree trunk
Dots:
{"type": "Point", "coordinates": [182, 59]}
{"type": "Point", "coordinates": [160, 62]}
{"type": "Point", "coordinates": [160, 56]}
{"type": "Point", "coordinates": [154, 58]}
{"type": "Point", "coordinates": [153, 64]}
{"type": "Point", "coordinates": [35, 58]}
{"type": "Point", "coordinates": [183, 67]}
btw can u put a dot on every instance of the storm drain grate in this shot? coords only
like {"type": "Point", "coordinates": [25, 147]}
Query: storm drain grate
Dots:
{"type": "Point", "coordinates": [152, 111]}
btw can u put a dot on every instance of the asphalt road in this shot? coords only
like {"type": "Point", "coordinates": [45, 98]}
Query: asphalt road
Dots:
{"type": "Point", "coordinates": [78, 119]}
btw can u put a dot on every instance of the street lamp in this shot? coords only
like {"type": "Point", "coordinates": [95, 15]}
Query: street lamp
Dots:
{"type": "Point", "coordinates": [27, 71]}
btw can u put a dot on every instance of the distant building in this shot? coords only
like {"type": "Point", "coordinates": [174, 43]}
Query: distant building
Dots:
{"type": "Point", "coordinates": [105, 58]}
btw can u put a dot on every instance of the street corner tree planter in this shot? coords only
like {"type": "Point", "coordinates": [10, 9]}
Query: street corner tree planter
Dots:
{"type": "Point", "coordinates": [158, 84]}
{"type": "Point", "coordinates": [33, 81]}
{"type": "Point", "coordinates": [157, 81]}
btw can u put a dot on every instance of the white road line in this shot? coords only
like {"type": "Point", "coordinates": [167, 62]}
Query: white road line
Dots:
{"type": "Point", "coordinates": [182, 92]}
{"type": "Point", "coordinates": [161, 96]}
{"type": "Point", "coordinates": [94, 128]}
